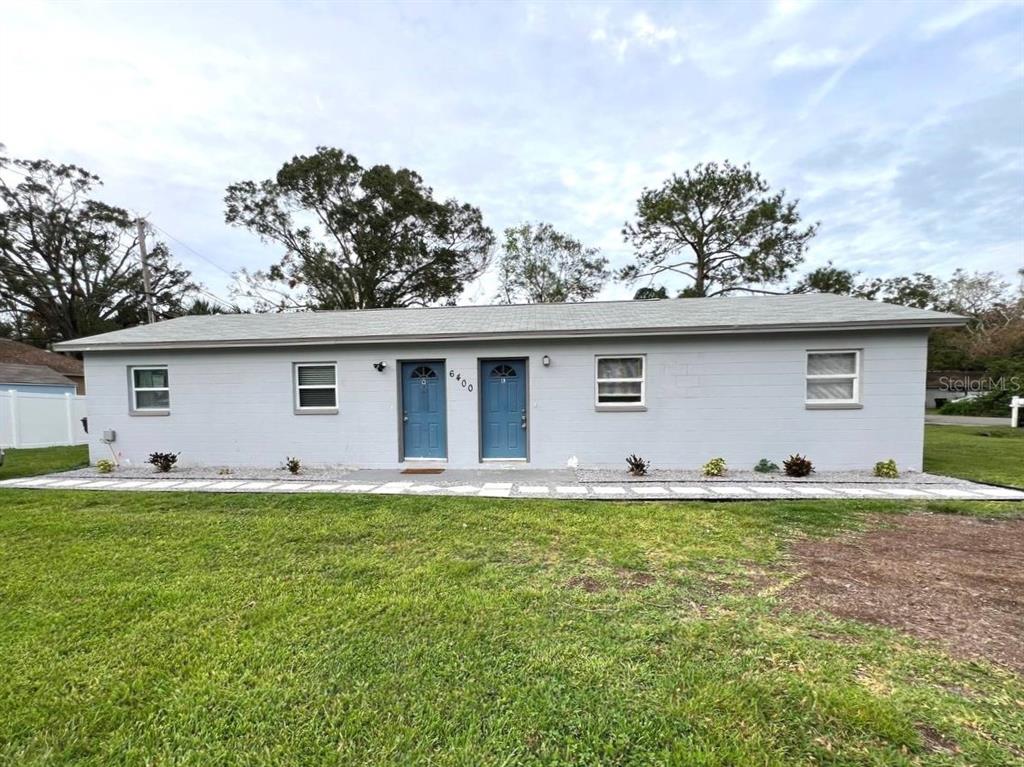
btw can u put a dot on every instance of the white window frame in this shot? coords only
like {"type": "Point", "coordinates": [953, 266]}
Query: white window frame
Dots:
{"type": "Point", "coordinates": [854, 376]}
{"type": "Point", "coordinates": [323, 409]}
{"type": "Point", "coordinates": [642, 404]}
{"type": "Point", "coordinates": [134, 390]}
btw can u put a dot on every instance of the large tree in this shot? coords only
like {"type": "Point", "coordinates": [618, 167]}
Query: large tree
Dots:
{"type": "Point", "coordinates": [718, 226]}
{"type": "Point", "coordinates": [919, 290]}
{"type": "Point", "coordinates": [650, 293]}
{"type": "Point", "coordinates": [995, 309]}
{"type": "Point", "coordinates": [834, 279]}
{"type": "Point", "coordinates": [69, 264]}
{"type": "Point", "coordinates": [355, 237]}
{"type": "Point", "coordinates": [541, 265]}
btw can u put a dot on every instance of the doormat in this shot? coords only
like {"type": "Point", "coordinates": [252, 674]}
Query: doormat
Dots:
{"type": "Point", "coordinates": [423, 471]}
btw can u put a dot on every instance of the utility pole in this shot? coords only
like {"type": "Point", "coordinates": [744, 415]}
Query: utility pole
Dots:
{"type": "Point", "coordinates": [146, 284]}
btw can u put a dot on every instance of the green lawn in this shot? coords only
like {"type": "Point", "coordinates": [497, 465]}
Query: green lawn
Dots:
{"type": "Point", "coordinates": [23, 463]}
{"type": "Point", "coordinates": [982, 453]}
{"type": "Point", "coordinates": [242, 629]}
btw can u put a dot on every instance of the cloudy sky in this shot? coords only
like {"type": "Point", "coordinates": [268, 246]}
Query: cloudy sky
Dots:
{"type": "Point", "coordinates": [900, 126]}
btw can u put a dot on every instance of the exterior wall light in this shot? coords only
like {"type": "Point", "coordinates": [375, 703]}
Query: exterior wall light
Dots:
{"type": "Point", "coordinates": [379, 366]}
{"type": "Point", "coordinates": [545, 360]}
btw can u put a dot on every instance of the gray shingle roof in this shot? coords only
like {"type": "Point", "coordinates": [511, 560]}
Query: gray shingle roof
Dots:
{"type": "Point", "coordinates": [596, 319]}
{"type": "Point", "coordinates": [31, 374]}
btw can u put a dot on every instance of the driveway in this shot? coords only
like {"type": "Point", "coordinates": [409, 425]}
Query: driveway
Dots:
{"type": "Point", "coordinates": [964, 420]}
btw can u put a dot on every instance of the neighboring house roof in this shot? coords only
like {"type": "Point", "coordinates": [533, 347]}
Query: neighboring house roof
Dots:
{"type": "Point", "coordinates": [460, 323]}
{"type": "Point", "coordinates": [22, 354]}
{"type": "Point", "coordinates": [32, 374]}
{"type": "Point", "coordinates": [947, 379]}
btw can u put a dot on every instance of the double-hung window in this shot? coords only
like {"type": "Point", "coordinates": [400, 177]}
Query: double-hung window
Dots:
{"type": "Point", "coordinates": [316, 387]}
{"type": "Point", "coordinates": [620, 382]}
{"type": "Point", "coordinates": [833, 377]}
{"type": "Point", "coordinates": [150, 390]}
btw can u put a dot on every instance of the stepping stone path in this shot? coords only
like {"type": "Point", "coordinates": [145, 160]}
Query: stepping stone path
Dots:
{"type": "Point", "coordinates": [956, 489]}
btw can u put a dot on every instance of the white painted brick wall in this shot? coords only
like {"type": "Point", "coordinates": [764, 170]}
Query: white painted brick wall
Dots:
{"type": "Point", "coordinates": [741, 397]}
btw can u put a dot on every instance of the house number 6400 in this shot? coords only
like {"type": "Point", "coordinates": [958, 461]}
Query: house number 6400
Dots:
{"type": "Point", "coordinates": [464, 381]}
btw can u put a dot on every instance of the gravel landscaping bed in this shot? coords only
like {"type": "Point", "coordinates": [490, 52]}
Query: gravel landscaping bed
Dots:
{"type": "Point", "coordinates": [527, 477]}
{"type": "Point", "coordinates": [311, 474]}
{"type": "Point", "coordinates": [661, 476]}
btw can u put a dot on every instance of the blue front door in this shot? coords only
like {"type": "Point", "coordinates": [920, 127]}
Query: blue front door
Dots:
{"type": "Point", "coordinates": [423, 410]}
{"type": "Point", "coordinates": [503, 408]}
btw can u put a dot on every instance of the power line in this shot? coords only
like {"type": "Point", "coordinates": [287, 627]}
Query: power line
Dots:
{"type": "Point", "coordinates": [220, 301]}
{"type": "Point", "coordinates": [207, 293]}
{"type": "Point", "coordinates": [198, 288]}
{"type": "Point", "coordinates": [192, 250]}
{"type": "Point", "coordinates": [183, 244]}
{"type": "Point", "coordinates": [147, 291]}
{"type": "Point", "coordinates": [17, 171]}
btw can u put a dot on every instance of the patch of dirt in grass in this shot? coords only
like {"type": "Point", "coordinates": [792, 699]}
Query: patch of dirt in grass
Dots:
{"type": "Point", "coordinates": [935, 741]}
{"type": "Point", "coordinates": [752, 580]}
{"type": "Point", "coordinates": [625, 580]}
{"type": "Point", "coordinates": [960, 691]}
{"type": "Point", "coordinates": [952, 579]}
{"type": "Point", "coordinates": [630, 580]}
{"type": "Point", "coordinates": [585, 583]}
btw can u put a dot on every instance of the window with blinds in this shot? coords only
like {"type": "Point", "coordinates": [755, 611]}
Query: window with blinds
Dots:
{"type": "Point", "coordinates": [151, 389]}
{"type": "Point", "coordinates": [833, 377]}
{"type": "Point", "coordinates": [620, 382]}
{"type": "Point", "coordinates": [316, 386]}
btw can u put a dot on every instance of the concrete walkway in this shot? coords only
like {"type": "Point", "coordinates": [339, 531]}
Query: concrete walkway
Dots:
{"type": "Point", "coordinates": [965, 420]}
{"type": "Point", "coordinates": [558, 488]}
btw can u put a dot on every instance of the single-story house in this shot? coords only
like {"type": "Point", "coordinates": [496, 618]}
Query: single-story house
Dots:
{"type": "Point", "coordinates": [677, 381]}
{"type": "Point", "coordinates": [17, 353]}
{"type": "Point", "coordinates": [34, 379]}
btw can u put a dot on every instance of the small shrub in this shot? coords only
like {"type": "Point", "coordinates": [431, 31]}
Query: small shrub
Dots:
{"type": "Point", "coordinates": [163, 461]}
{"type": "Point", "coordinates": [764, 466]}
{"type": "Point", "coordinates": [294, 465]}
{"type": "Point", "coordinates": [637, 466]}
{"type": "Point", "coordinates": [887, 469]}
{"type": "Point", "coordinates": [714, 468]}
{"type": "Point", "coordinates": [797, 466]}
{"type": "Point", "coordinates": [995, 404]}
{"type": "Point", "coordinates": [104, 466]}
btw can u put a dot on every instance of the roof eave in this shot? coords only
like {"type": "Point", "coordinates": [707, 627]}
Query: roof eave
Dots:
{"type": "Point", "coordinates": [84, 346]}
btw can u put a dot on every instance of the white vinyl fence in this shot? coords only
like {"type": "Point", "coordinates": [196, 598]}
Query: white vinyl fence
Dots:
{"type": "Point", "coordinates": [41, 420]}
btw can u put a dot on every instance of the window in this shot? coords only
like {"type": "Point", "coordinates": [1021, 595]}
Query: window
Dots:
{"type": "Point", "coordinates": [620, 382]}
{"type": "Point", "coordinates": [316, 387]}
{"type": "Point", "coordinates": [423, 372]}
{"type": "Point", "coordinates": [151, 390]}
{"type": "Point", "coordinates": [833, 378]}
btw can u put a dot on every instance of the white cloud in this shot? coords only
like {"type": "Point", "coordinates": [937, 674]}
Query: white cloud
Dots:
{"type": "Point", "coordinates": [792, 7]}
{"type": "Point", "coordinates": [958, 16]}
{"type": "Point", "coordinates": [639, 31]}
{"type": "Point", "coordinates": [516, 111]}
{"type": "Point", "coordinates": [799, 57]}
{"type": "Point", "coordinates": [833, 80]}
{"type": "Point", "coordinates": [648, 33]}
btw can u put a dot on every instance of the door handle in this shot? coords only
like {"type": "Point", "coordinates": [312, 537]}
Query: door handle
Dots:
{"type": "Point", "coordinates": [405, 418]}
